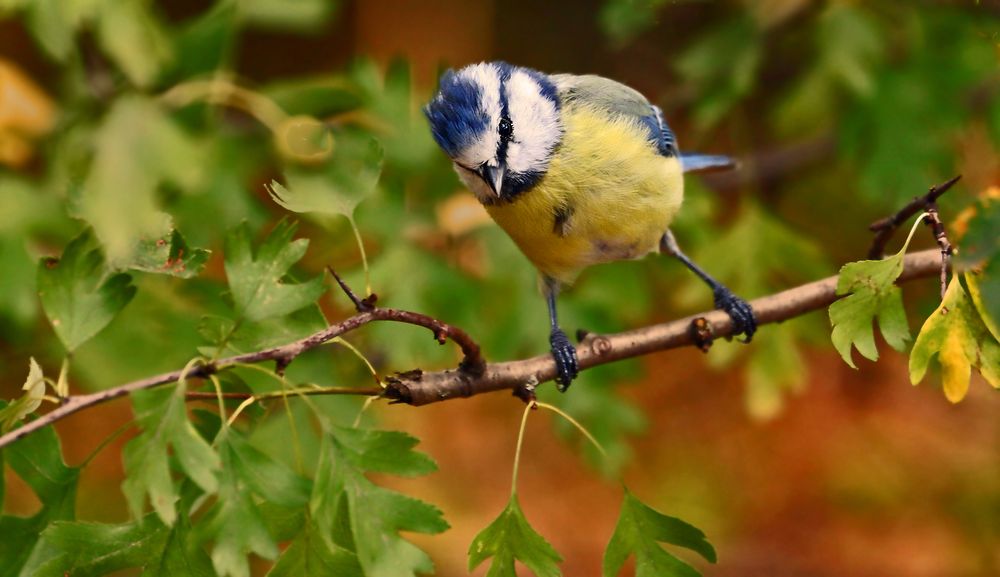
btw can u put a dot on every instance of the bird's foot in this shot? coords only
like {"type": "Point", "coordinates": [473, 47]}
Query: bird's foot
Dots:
{"type": "Point", "coordinates": [739, 311]}
{"type": "Point", "coordinates": [564, 354]}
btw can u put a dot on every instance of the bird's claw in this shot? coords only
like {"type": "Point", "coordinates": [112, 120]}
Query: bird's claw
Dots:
{"type": "Point", "coordinates": [739, 311]}
{"type": "Point", "coordinates": [564, 354]}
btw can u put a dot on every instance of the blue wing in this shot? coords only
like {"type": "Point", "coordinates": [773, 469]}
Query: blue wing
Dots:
{"type": "Point", "coordinates": [620, 100]}
{"type": "Point", "coordinates": [692, 161]}
{"type": "Point", "coordinates": [666, 142]}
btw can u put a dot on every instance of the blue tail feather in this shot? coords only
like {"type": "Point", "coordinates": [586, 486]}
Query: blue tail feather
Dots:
{"type": "Point", "coordinates": [692, 161]}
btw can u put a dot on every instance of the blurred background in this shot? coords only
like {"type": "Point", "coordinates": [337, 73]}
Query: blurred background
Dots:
{"type": "Point", "coordinates": [793, 463]}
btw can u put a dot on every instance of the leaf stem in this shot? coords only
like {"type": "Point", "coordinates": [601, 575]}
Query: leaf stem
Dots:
{"type": "Point", "coordinates": [218, 395]}
{"type": "Point", "coordinates": [371, 368]}
{"type": "Point", "coordinates": [520, 441]}
{"type": "Point", "coordinates": [576, 424]}
{"type": "Point", "coordinates": [364, 257]}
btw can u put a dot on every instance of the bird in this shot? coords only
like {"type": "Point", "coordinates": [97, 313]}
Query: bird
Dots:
{"type": "Point", "coordinates": [577, 170]}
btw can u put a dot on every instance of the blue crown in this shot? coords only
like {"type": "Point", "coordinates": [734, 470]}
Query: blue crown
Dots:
{"type": "Point", "coordinates": [456, 114]}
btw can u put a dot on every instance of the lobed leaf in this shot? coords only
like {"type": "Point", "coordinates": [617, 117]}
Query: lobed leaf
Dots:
{"type": "Point", "coordinates": [37, 460]}
{"type": "Point", "coordinates": [235, 521]}
{"type": "Point", "coordinates": [134, 39]}
{"type": "Point", "coordinates": [980, 254]}
{"type": "Point", "coordinates": [384, 452]}
{"type": "Point", "coordinates": [956, 334]}
{"type": "Point", "coordinates": [78, 293]}
{"type": "Point", "coordinates": [639, 532]}
{"type": "Point", "coordinates": [872, 293]}
{"type": "Point", "coordinates": [257, 278]}
{"type": "Point", "coordinates": [18, 409]}
{"type": "Point", "coordinates": [137, 149]}
{"type": "Point", "coordinates": [169, 254]}
{"type": "Point", "coordinates": [313, 553]}
{"type": "Point", "coordinates": [163, 418]}
{"type": "Point", "coordinates": [92, 549]}
{"type": "Point", "coordinates": [510, 537]}
{"type": "Point", "coordinates": [337, 188]}
{"type": "Point", "coordinates": [366, 518]}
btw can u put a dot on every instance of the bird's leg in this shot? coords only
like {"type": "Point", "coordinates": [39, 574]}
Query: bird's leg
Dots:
{"type": "Point", "coordinates": [738, 309]}
{"type": "Point", "coordinates": [563, 350]}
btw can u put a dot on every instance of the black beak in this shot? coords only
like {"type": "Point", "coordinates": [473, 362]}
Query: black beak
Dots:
{"type": "Point", "coordinates": [493, 175]}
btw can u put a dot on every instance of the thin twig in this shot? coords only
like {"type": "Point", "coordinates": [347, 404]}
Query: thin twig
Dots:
{"type": "Point", "coordinates": [933, 219]}
{"type": "Point", "coordinates": [884, 228]}
{"type": "Point", "coordinates": [360, 305]}
{"type": "Point", "coordinates": [319, 391]}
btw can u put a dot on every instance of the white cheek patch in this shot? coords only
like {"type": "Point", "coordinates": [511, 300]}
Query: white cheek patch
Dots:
{"type": "Point", "coordinates": [483, 149]}
{"type": "Point", "coordinates": [537, 129]}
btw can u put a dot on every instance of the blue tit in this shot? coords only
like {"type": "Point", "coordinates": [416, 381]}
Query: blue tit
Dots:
{"type": "Point", "coordinates": [578, 170]}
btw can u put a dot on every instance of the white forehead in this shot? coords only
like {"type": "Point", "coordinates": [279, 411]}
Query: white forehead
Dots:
{"type": "Point", "coordinates": [537, 128]}
{"type": "Point", "coordinates": [483, 149]}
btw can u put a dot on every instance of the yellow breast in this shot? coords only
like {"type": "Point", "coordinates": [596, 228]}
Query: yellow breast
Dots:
{"type": "Point", "coordinates": [607, 195]}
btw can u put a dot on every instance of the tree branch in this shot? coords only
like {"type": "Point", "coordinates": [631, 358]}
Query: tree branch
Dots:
{"type": "Point", "coordinates": [417, 388]}
{"type": "Point", "coordinates": [475, 376]}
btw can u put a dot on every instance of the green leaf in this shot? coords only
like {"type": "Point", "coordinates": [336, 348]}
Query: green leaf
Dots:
{"type": "Point", "coordinates": [235, 521]}
{"type": "Point", "coordinates": [263, 475]}
{"type": "Point", "coordinates": [137, 148]}
{"type": "Point", "coordinates": [980, 253]}
{"type": "Point", "coordinates": [19, 300]}
{"type": "Point", "coordinates": [374, 516]}
{"type": "Point", "coordinates": [256, 278]}
{"type": "Point", "coordinates": [182, 555]}
{"type": "Point", "coordinates": [17, 410]}
{"type": "Point", "coordinates": [312, 553]}
{"type": "Point", "coordinates": [300, 15]}
{"type": "Point", "coordinates": [37, 459]}
{"type": "Point", "coordinates": [228, 337]}
{"type": "Point", "coordinates": [92, 549]}
{"type": "Point", "coordinates": [721, 67]}
{"type": "Point", "coordinates": [623, 20]}
{"type": "Point", "coordinates": [510, 537]}
{"type": "Point", "coordinates": [849, 47]}
{"type": "Point", "coordinates": [134, 39]}
{"type": "Point", "coordinates": [872, 293]}
{"type": "Point", "coordinates": [343, 182]}
{"type": "Point", "coordinates": [52, 23]}
{"type": "Point", "coordinates": [384, 452]}
{"type": "Point", "coordinates": [205, 43]}
{"type": "Point", "coordinates": [78, 294]}
{"type": "Point", "coordinates": [390, 99]}
{"type": "Point", "coordinates": [984, 290]}
{"type": "Point", "coordinates": [639, 532]}
{"type": "Point", "coordinates": [957, 336]}
{"type": "Point", "coordinates": [162, 415]}
{"type": "Point", "coordinates": [169, 255]}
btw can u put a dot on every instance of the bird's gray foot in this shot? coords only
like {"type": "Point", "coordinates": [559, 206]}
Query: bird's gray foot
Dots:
{"type": "Point", "coordinates": [739, 311]}
{"type": "Point", "coordinates": [564, 354]}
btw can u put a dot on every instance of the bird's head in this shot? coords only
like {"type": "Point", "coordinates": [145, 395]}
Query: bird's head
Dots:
{"type": "Point", "coordinates": [499, 123]}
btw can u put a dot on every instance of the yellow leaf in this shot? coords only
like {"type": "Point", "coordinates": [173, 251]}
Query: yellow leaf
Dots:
{"type": "Point", "coordinates": [26, 113]}
{"type": "Point", "coordinates": [956, 370]}
{"type": "Point", "coordinates": [956, 334]}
